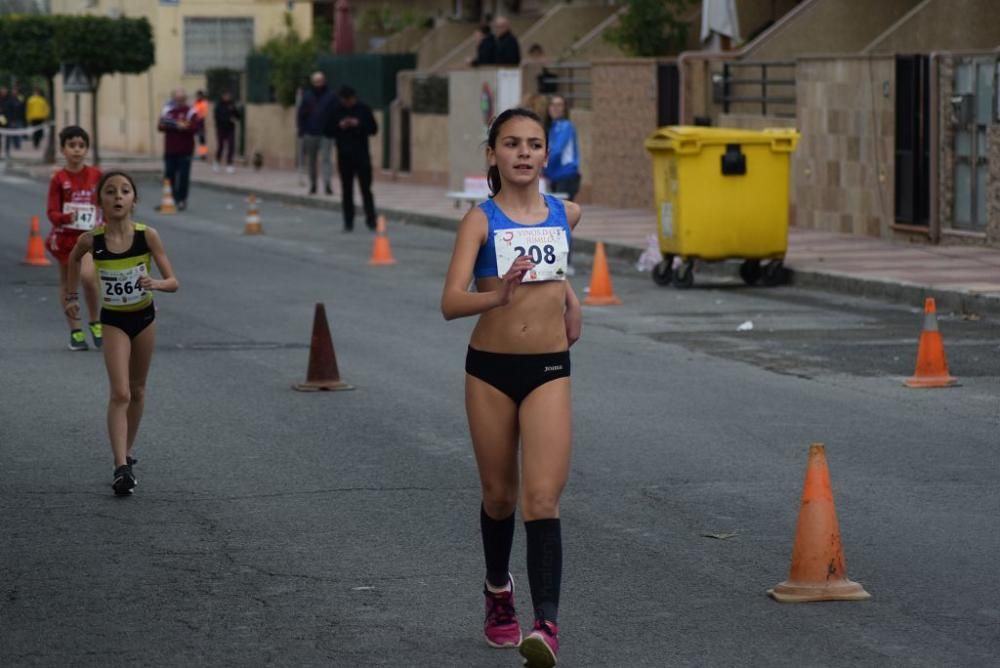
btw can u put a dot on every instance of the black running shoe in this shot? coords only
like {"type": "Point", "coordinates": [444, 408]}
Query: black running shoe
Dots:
{"type": "Point", "coordinates": [124, 480]}
{"type": "Point", "coordinates": [131, 461]}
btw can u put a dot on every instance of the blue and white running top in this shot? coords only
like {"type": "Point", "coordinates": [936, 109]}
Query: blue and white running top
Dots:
{"type": "Point", "coordinates": [547, 243]}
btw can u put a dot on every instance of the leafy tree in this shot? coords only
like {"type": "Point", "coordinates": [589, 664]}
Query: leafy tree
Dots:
{"type": "Point", "coordinates": [651, 28]}
{"type": "Point", "coordinates": [26, 51]}
{"type": "Point", "coordinates": [292, 60]}
{"type": "Point", "coordinates": [102, 45]}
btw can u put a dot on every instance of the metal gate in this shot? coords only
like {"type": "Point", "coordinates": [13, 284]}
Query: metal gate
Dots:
{"type": "Point", "coordinates": [973, 106]}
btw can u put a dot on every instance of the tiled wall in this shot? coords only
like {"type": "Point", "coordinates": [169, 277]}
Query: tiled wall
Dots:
{"type": "Point", "coordinates": [843, 170]}
{"type": "Point", "coordinates": [624, 114]}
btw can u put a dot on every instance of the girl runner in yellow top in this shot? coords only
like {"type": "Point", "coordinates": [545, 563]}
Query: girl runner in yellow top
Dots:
{"type": "Point", "coordinates": [122, 250]}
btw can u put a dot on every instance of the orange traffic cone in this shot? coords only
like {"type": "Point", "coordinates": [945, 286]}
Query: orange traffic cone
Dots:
{"type": "Point", "coordinates": [323, 373]}
{"type": "Point", "coordinates": [932, 367]}
{"type": "Point", "coordinates": [167, 205]}
{"type": "Point", "coordinates": [817, 572]}
{"type": "Point", "coordinates": [36, 248]}
{"type": "Point", "coordinates": [381, 252]}
{"type": "Point", "coordinates": [601, 293]}
{"type": "Point", "coordinates": [253, 217]}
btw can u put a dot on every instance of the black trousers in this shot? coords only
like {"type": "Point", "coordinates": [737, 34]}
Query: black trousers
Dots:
{"type": "Point", "coordinates": [351, 166]}
{"type": "Point", "coordinates": [226, 140]}
{"type": "Point", "coordinates": [177, 168]}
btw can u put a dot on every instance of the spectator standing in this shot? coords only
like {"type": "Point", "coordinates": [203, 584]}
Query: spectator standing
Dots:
{"type": "Point", "coordinates": [546, 78]}
{"type": "Point", "coordinates": [179, 123]}
{"type": "Point", "coordinates": [226, 114]}
{"type": "Point", "coordinates": [563, 167]}
{"type": "Point", "coordinates": [6, 118]}
{"type": "Point", "coordinates": [486, 47]}
{"type": "Point", "coordinates": [201, 108]}
{"type": "Point", "coordinates": [18, 115]}
{"type": "Point", "coordinates": [37, 113]}
{"type": "Point", "coordinates": [352, 124]}
{"type": "Point", "coordinates": [313, 121]}
{"type": "Point", "coordinates": [508, 51]}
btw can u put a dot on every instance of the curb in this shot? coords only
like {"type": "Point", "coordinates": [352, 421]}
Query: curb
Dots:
{"type": "Point", "coordinates": [911, 294]}
{"type": "Point", "coordinates": [901, 292]}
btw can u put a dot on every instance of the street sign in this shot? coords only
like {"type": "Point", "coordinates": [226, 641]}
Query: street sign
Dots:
{"type": "Point", "coordinates": [75, 80]}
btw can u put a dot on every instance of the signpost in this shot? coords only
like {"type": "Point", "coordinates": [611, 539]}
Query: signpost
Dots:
{"type": "Point", "coordinates": [76, 81]}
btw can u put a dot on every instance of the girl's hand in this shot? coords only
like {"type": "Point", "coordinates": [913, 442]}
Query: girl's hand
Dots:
{"type": "Point", "coordinates": [148, 283]}
{"type": "Point", "coordinates": [574, 323]}
{"type": "Point", "coordinates": [513, 278]}
{"type": "Point", "coordinates": [72, 308]}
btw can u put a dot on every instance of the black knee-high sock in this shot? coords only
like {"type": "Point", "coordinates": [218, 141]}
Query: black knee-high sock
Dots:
{"type": "Point", "coordinates": [498, 536]}
{"type": "Point", "coordinates": [544, 566]}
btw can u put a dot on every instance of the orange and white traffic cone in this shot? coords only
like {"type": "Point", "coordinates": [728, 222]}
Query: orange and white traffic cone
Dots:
{"type": "Point", "coordinates": [36, 247]}
{"type": "Point", "coordinates": [323, 373]}
{"type": "Point", "coordinates": [817, 572]}
{"type": "Point", "coordinates": [167, 205]}
{"type": "Point", "coordinates": [381, 251]}
{"type": "Point", "coordinates": [601, 293]}
{"type": "Point", "coordinates": [932, 367]}
{"type": "Point", "coordinates": [253, 217]}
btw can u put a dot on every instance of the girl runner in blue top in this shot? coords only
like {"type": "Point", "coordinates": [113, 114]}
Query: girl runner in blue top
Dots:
{"type": "Point", "coordinates": [517, 387]}
{"type": "Point", "coordinates": [122, 251]}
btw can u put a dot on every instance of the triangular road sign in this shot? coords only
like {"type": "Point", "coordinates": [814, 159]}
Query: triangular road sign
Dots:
{"type": "Point", "coordinates": [75, 80]}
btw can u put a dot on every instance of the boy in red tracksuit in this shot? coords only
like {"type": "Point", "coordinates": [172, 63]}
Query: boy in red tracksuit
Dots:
{"type": "Point", "coordinates": [72, 210]}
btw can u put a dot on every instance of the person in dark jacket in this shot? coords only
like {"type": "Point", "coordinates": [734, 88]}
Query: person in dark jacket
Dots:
{"type": "Point", "coordinates": [7, 113]}
{"type": "Point", "coordinates": [508, 51]}
{"type": "Point", "coordinates": [313, 117]}
{"type": "Point", "coordinates": [352, 124]}
{"type": "Point", "coordinates": [486, 47]}
{"type": "Point", "coordinates": [179, 124]}
{"type": "Point", "coordinates": [226, 114]}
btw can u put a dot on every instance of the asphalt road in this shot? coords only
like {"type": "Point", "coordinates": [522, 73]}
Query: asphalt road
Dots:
{"type": "Point", "coordinates": [272, 527]}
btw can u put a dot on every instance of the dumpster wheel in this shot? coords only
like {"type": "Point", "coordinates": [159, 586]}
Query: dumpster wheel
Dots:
{"type": "Point", "coordinates": [750, 271]}
{"type": "Point", "coordinates": [775, 273]}
{"type": "Point", "coordinates": [684, 275]}
{"type": "Point", "coordinates": [663, 272]}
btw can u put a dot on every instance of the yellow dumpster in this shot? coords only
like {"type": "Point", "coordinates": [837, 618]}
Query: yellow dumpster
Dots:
{"type": "Point", "coordinates": [721, 193]}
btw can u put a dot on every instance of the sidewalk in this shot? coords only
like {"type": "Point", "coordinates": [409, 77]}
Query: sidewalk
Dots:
{"type": "Point", "coordinates": [961, 278]}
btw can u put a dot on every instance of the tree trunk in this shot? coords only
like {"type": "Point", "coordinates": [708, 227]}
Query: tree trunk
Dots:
{"type": "Point", "coordinates": [93, 122]}
{"type": "Point", "coordinates": [50, 131]}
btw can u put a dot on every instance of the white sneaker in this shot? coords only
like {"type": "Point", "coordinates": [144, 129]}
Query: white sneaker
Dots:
{"type": "Point", "coordinates": [215, 167]}
{"type": "Point", "coordinates": [230, 169]}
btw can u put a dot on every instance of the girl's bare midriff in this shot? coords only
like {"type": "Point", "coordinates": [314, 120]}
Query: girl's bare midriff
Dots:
{"type": "Point", "coordinates": [531, 323]}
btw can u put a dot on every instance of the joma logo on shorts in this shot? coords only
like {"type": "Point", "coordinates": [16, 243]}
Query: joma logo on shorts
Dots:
{"type": "Point", "coordinates": [553, 368]}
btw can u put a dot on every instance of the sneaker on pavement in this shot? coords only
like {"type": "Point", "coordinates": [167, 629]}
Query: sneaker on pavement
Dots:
{"type": "Point", "coordinates": [215, 167]}
{"type": "Point", "coordinates": [230, 169]}
{"type": "Point", "coordinates": [77, 341]}
{"type": "Point", "coordinates": [501, 628]}
{"type": "Point", "coordinates": [541, 646]}
{"type": "Point", "coordinates": [97, 334]}
{"type": "Point", "coordinates": [181, 205]}
{"type": "Point", "coordinates": [124, 481]}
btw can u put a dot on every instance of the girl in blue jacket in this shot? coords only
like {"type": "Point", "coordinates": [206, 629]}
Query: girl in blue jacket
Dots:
{"type": "Point", "coordinates": [563, 167]}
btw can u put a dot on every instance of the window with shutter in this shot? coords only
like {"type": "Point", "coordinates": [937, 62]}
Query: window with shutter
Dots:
{"type": "Point", "coordinates": [216, 42]}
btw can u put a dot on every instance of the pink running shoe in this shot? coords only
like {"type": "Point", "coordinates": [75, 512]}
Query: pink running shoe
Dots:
{"type": "Point", "coordinates": [541, 646]}
{"type": "Point", "coordinates": [501, 627]}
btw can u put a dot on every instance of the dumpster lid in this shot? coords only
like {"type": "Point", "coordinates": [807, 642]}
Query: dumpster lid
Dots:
{"type": "Point", "coordinates": [690, 138]}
